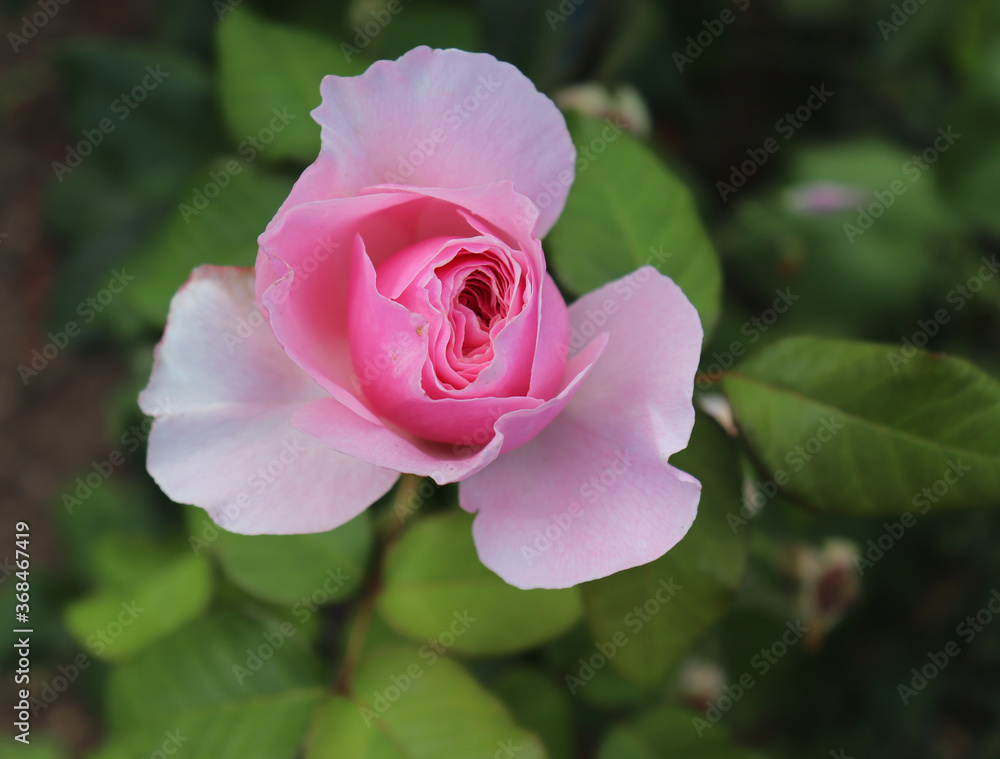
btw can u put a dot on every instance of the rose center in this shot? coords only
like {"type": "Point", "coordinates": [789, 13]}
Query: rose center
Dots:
{"type": "Point", "coordinates": [479, 308]}
{"type": "Point", "coordinates": [467, 291]}
{"type": "Point", "coordinates": [479, 298]}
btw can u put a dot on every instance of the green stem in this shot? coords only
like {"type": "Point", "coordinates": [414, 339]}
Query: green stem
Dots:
{"type": "Point", "coordinates": [388, 532]}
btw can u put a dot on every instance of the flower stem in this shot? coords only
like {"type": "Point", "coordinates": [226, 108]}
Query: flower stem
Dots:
{"type": "Point", "coordinates": [387, 533]}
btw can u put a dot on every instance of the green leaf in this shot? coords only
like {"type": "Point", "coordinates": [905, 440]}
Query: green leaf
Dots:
{"type": "Point", "coordinates": [607, 690]}
{"type": "Point", "coordinates": [149, 138]}
{"type": "Point", "coordinates": [199, 684]}
{"type": "Point", "coordinates": [975, 190]}
{"type": "Point", "coordinates": [407, 704]}
{"type": "Point", "coordinates": [265, 67]}
{"type": "Point", "coordinates": [339, 732]}
{"type": "Point", "coordinates": [123, 561]}
{"type": "Point", "coordinates": [669, 731]}
{"type": "Point", "coordinates": [849, 273]}
{"type": "Point", "coordinates": [626, 210]}
{"type": "Point", "coordinates": [219, 230]}
{"type": "Point", "coordinates": [107, 201]}
{"type": "Point", "coordinates": [83, 524]}
{"type": "Point", "coordinates": [663, 607]}
{"type": "Point", "coordinates": [540, 705]}
{"type": "Point", "coordinates": [436, 588]}
{"type": "Point", "coordinates": [117, 622]}
{"type": "Point", "coordinates": [860, 428]}
{"type": "Point", "coordinates": [440, 25]}
{"type": "Point", "coordinates": [968, 171]}
{"type": "Point", "coordinates": [284, 569]}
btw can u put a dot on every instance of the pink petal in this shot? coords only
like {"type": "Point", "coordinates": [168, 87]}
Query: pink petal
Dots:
{"type": "Point", "coordinates": [302, 279]}
{"type": "Point", "coordinates": [571, 506]}
{"type": "Point", "coordinates": [553, 330]}
{"type": "Point", "coordinates": [643, 386]}
{"type": "Point", "coordinates": [304, 262]}
{"type": "Point", "coordinates": [223, 392]}
{"type": "Point", "coordinates": [595, 483]}
{"type": "Point", "coordinates": [491, 209]}
{"type": "Point", "coordinates": [343, 430]}
{"type": "Point", "coordinates": [440, 118]}
{"type": "Point", "coordinates": [392, 342]}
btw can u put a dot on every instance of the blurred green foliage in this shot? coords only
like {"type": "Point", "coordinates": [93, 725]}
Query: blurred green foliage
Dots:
{"type": "Point", "coordinates": [228, 654]}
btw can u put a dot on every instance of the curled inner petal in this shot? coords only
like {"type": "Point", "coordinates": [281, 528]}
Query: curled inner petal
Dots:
{"type": "Point", "coordinates": [468, 291]}
{"type": "Point", "coordinates": [484, 293]}
{"type": "Point", "coordinates": [446, 319]}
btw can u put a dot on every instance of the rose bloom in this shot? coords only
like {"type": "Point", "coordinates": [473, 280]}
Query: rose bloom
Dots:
{"type": "Point", "coordinates": [400, 319]}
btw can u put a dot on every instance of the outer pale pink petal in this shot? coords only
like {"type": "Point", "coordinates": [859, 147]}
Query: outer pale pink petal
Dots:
{"type": "Point", "coordinates": [553, 330]}
{"type": "Point", "coordinates": [222, 398]}
{"type": "Point", "coordinates": [644, 384]}
{"type": "Point", "coordinates": [440, 118]}
{"type": "Point", "coordinates": [593, 494]}
{"type": "Point", "coordinates": [555, 513]}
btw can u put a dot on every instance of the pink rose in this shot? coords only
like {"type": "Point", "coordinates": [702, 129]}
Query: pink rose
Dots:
{"type": "Point", "coordinates": [400, 319]}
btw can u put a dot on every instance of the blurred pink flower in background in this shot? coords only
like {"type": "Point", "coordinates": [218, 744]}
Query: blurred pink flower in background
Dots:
{"type": "Point", "coordinates": [819, 198]}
